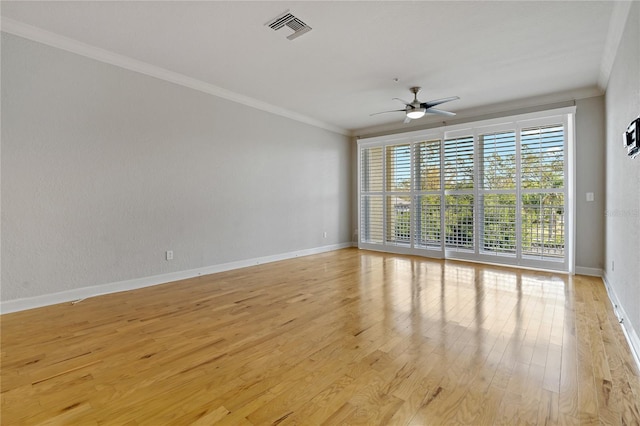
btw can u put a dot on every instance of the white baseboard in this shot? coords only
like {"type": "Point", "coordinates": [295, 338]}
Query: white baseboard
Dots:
{"type": "Point", "coordinates": [629, 332]}
{"type": "Point", "coordinates": [86, 292]}
{"type": "Point", "coordinates": [583, 270]}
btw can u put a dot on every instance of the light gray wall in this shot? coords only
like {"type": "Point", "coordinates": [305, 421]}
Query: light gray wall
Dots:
{"type": "Point", "coordinates": [104, 169]}
{"type": "Point", "coordinates": [590, 177]}
{"type": "Point", "coordinates": [623, 174]}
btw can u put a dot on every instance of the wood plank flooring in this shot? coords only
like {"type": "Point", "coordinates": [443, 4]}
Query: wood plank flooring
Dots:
{"type": "Point", "coordinates": [345, 337]}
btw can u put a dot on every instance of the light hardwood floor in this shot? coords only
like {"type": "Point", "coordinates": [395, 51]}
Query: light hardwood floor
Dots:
{"type": "Point", "coordinates": [346, 337]}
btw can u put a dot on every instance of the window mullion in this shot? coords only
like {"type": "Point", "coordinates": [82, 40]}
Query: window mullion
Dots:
{"type": "Point", "coordinates": [442, 198]}
{"type": "Point", "coordinates": [415, 184]}
{"type": "Point", "coordinates": [384, 195]}
{"type": "Point", "coordinates": [478, 215]}
{"type": "Point", "coordinates": [518, 195]}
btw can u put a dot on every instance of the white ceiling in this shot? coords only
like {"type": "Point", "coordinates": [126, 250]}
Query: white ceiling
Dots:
{"type": "Point", "coordinates": [487, 53]}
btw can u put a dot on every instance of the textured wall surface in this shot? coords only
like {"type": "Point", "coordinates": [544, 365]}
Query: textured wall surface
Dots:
{"type": "Point", "coordinates": [590, 177]}
{"type": "Point", "coordinates": [623, 174]}
{"type": "Point", "coordinates": [104, 169]}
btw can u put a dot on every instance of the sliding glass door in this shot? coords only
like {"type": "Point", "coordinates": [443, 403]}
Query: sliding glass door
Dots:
{"type": "Point", "coordinates": [495, 192]}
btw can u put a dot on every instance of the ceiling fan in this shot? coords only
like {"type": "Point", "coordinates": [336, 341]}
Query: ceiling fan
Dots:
{"type": "Point", "coordinates": [417, 109]}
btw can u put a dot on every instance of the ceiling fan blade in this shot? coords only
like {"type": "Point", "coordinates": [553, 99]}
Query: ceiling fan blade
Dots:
{"type": "Point", "coordinates": [384, 112]}
{"type": "Point", "coordinates": [407, 119]}
{"type": "Point", "coordinates": [402, 100]}
{"type": "Point", "coordinates": [438, 102]}
{"type": "Point", "coordinates": [441, 112]}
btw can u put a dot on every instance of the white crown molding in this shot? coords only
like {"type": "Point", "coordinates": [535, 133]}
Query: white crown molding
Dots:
{"type": "Point", "coordinates": [518, 106]}
{"type": "Point", "coordinates": [39, 35]}
{"type": "Point", "coordinates": [77, 294]}
{"type": "Point", "coordinates": [614, 36]}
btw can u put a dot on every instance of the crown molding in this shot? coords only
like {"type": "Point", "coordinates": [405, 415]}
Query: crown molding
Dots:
{"type": "Point", "coordinates": [501, 109]}
{"type": "Point", "coordinates": [39, 35]}
{"type": "Point", "coordinates": [612, 43]}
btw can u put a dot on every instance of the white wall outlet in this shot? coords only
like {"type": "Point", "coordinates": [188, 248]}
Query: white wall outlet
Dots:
{"type": "Point", "coordinates": [169, 254]}
{"type": "Point", "coordinates": [324, 234]}
{"type": "Point", "coordinates": [589, 196]}
{"type": "Point", "coordinates": [613, 266]}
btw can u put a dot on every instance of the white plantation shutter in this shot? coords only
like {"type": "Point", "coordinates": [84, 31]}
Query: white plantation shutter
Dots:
{"type": "Point", "coordinates": [372, 219]}
{"type": "Point", "coordinates": [543, 201]}
{"type": "Point", "coordinates": [497, 194]}
{"type": "Point", "coordinates": [427, 161]}
{"type": "Point", "coordinates": [498, 220]}
{"type": "Point", "coordinates": [428, 225]}
{"type": "Point", "coordinates": [371, 201]}
{"type": "Point", "coordinates": [543, 228]}
{"type": "Point", "coordinates": [542, 157]}
{"type": "Point", "coordinates": [398, 199]}
{"type": "Point", "coordinates": [371, 169]}
{"type": "Point", "coordinates": [398, 168]}
{"type": "Point", "coordinates": [398, 220]}
{"type": "Point", "coordinates": [459, 171]}
{"type": "Point", "coordinates": [498, 160]}
{"type": "Point", "coordinates": [459, 222]}
{"type": "Point", "coordinates": [458, 163]}
{"type": "Point", "coordinates": [427, 197]}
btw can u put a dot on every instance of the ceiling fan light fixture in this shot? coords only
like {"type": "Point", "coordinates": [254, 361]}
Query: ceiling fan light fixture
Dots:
{"type": "Point", "coordinates": [416, 109]}
{"type": "Point", "coordinates": [416, 113]}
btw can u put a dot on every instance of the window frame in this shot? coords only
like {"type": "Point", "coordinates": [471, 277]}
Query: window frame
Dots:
{"type": "Point", "coordinates": [515, 123]}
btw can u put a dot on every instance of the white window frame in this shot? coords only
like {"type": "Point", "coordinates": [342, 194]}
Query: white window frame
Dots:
{"type": "Point", "coordinates": [565, 116]}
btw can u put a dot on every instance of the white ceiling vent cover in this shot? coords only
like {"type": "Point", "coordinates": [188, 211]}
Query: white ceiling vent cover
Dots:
{"type": "Point", "coordinates": [287, 19]}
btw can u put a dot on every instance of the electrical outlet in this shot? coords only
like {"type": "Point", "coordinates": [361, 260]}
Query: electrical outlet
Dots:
{"type": "Point", "coordinates": [613, 266]}
{"type": "Point", "coordinates": [169, 254]}
{"type": "Point", "coordinates": [589, 196]}
{"type": "Point", "coordinates": [324, 234]}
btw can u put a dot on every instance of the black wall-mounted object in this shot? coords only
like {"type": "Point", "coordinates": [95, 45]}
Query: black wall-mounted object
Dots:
{"type": "Point", "coordinates": [631, 139]}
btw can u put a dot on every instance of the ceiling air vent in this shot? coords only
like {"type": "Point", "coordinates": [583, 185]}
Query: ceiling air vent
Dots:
{"type": "Point", "coordinates": [288, 20]}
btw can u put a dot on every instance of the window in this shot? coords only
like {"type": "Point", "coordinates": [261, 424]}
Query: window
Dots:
{"type": "Point", "coordinates": [492, 191]}
{"type": "Point", "coordinates": [427, 197]}
{"type": "Point", "coordinates": [371, 208]}
{"type": "Point", "coordinates": [543, 201]}
{"type": "Point", "coordinates": [459, 179]}
{"type": "Point", "coordinates": [398, 194]}
{"type": "Point", "coordinates": [497, 194]}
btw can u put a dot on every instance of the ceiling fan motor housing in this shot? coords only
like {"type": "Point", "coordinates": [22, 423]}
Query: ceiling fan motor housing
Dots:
{"type": "Point", "coordinates": [417, 109]}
